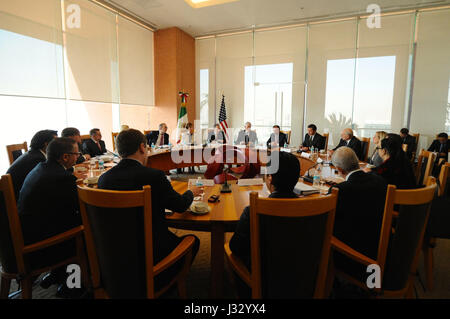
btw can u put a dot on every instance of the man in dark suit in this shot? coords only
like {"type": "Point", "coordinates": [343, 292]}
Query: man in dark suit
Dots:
{"type": "Point", "coordinates": [94, 146]}
{"type": "Point", "coordinates": [74, 134]}
{"type": "Point", "coordinates": [360, 208]}
{"type": "Point", "coordinates": [441, 146]}
{"type": "Point", "coordinates": [277, 139]}
{"type": "Point", "coordinates": [281, 184]}
{"type": "Point", "coordinates": [132, 174]}
{"type": "Point", "coordinates": [349, 140]}
{"type": "Point", "coordinates": [160, 137]}
{"type": "Point", "coordinates": [217, 135]}
{"type": "Point", "coordinates": [408, 140]}
{"type": "Point", "coordinates": [313, 139]}
{"type": "Point", "coordinates": [247, 136]}
{"type": "Point", "coordinates": [26, 162]}
{"type": "Point", "coordinates": [48, 204]}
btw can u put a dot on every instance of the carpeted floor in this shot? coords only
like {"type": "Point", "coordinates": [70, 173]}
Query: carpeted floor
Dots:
{"type": "Point", "coordinates": [198, 281]}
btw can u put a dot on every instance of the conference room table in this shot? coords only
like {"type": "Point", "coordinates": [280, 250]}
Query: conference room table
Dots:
{"type": "Point", "coordinates": [224, 214]}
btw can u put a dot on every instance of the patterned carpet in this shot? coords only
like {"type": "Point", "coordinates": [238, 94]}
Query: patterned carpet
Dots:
{"type": "Point", "coordinates": [198, 281]}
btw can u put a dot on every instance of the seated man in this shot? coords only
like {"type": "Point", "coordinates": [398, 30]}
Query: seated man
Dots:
{"type": "Point", "coordinates": [359, 210]}
{"type": "Point", "coordinates": [441, 146]}
{"type": "Point", "coordinates": [217, 135]}
{"type": "Point", "coordinates": [281, 185]}
{"type": "Point", "coordinates": [276, 139]}
{"type": "Point", "coordinates": [74, 134]}
{"type": "Point", "coordinates": [247, 136]}
{"type": "Point", "coordinates": [48, 204]}
{"type": "Point", "coordinates": [158, 138]}
{"type": "Point", "coordinates": [26, 162]}
{"type": "Point", "coordinates": [187, 139]}
{"type": "Point", "coordinates": [132, 174]}
{"type": "Point", "coordinates": [94, 146]}
{"type": "Point", "coordinates": [408, 140]}
{"type": "Point", "coordinates": [349, 140]}
{"type": "Point", "coordinates": [313, 139]}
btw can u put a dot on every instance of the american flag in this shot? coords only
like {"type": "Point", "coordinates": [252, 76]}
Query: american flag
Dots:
{"type": "Point", "coordinates": [223, 117]}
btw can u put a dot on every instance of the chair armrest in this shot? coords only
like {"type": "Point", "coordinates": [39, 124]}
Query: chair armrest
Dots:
{"type": "Point", "coordinates": [182, 249]}
{"type": "Point", "coordinates": [54, 240]}
{"type": "Point", "coordinates": [339, 246]}
{"type": "Point", "coordinates": [238, 266]}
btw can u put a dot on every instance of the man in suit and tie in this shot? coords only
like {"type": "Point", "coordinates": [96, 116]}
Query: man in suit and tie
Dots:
{"type": "Point", "coordinates": [74, 134]}
{"type": "Point", "coordinates": [359, 210]}
{"type": "Point", "coordinates": [26, 162]}
{"type": "Point", "coordinates": [160, 137]}
{"type": "Point", "coordinates": [48, 206]}
{"type": "Point", "coordinates": [277, 139]}
{"type": "Point", "coordinates": [247, 136]}
{"type": "Point", "coordinates": [94, 146]}
{"type": "Point", "coordinates": [408, 140]}
{"type": "Point", "coordinates": [441, 146]}
{"type": "Point", "coordinates": [349, 140]}
{"type": "Point", "coordinates": [132, 174]}
{"type": "Point", "coordinates": [217, 135]}
{"type": "Point", "coordinates": [313, 139]}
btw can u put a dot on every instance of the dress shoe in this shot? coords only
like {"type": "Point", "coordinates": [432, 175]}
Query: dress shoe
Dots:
{"type": "Point", "coordinates": [48, 280]}
{"type": "Point", "coordinates": [74, 293]}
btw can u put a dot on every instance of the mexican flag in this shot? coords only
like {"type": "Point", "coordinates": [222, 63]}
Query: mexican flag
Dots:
{"type": "Point", "coordinates": [182, 117]}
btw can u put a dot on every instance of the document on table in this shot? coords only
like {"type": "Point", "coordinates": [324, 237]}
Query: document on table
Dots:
{"type": "Point", "coordinates": [204, 182]}
{"type": "Point", "coordinates": [250, 181]}
{"type": "Point", "coordinates": [304, 189]}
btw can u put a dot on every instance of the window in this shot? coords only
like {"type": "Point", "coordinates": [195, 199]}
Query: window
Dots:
{"type": "Point", "coordinates": [204, 98]}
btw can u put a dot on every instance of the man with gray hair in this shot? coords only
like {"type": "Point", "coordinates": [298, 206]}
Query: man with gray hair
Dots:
{"type": "Point", "coordinates": [247, 136]}
{"type": "Point", "coordinates": [348, 139]}
{"type": "Point", "coordinates": [359, 210]}
{"type": "Point", "coordinates": [160, 137]}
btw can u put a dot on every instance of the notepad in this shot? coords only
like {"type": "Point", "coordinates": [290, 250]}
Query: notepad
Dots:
{"type": "Point", "coordinates": [305, 155]}
{"type": "Point", "coordinates": [250, 182]}
{"type": "Point", "coordinates": [204, 182]}
{"type": "Point", "coordinates": [303, 189]}
{"type": "Point", "coordinates": [287, 150]}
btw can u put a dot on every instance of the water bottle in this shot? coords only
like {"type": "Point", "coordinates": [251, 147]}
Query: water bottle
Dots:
{"type": "Point", "coordinates": [285, 145]}
{"type": "Point", "coordinates": [153, 146]}
{"type": "Point", "coordinates": [317, 176]}
{"type": "Point", "coordinates": [101, 164]}
{"type": "Point", "coordinates": [199, 182]}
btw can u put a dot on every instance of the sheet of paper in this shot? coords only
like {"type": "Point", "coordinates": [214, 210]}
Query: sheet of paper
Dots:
{"type": "Point", "coordinates": [305, 155]}
{"type": "Point", "coordinates": [304, 187]}
{"type": "Point", "coordinates": [250, 181]}
{"type": "Point", "coordinates": [204, 182]}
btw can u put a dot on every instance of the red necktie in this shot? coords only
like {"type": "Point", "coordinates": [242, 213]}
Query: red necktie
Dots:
{"type": "Point", "coordinates": [161, 142]}
{"type": "Point", "coordinates": [98, 144]}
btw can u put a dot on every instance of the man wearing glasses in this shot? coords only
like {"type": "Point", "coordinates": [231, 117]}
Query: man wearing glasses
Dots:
{"type": "Point", "coordinates": [48, 205]}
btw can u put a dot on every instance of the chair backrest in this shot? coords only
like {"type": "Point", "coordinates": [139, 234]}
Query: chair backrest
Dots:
{"type": "Point", "coordinates": [288, 134]}
{"type": "Point", "coordinates": [15, 150]}
{"type": "Point", "coordinates": [444, 183]}
{"type": "Point", "coordinates": [365, 145]}
{"type": "Point", "coordinates": [220, 179]}
{"type": "Point", "coordinates": [118, 232]}
{"type": "Point", "coordinates": [11, 239]}
{"type": "Point", "coordinates": [399, 248]}
{"type": "Point", "coordinates": [326, 135]}
{"type": "Point", "coordinates": [114, 136]}
{"type": "Point", "coordinates": [290, 245]}
{"type": "Point", "coordinates": [147, 131]}
{"type": "Point", "coordinates": [425, 165]}
{"type": "Point", "coordinates": [84, 138]}
{"type": "Point", "coordinates": [416, 145]}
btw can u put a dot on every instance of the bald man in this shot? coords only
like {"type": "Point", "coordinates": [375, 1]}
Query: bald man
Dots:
{"type": "Point", "coordinates": [349, 140]}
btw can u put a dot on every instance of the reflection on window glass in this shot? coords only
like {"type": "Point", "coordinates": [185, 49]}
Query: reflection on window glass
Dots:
{"type": "Point", "coordinates": [268, 97]}
{"type": "Point", "coordinates": [447, 121]}
{"type": "Point", "coordinates": [204, 97]}
{"type": "Point", "coordinates": [370, 109]}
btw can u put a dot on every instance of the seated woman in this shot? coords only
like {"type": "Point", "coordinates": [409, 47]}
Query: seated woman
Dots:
{"type": "Point", "coordinates": [375, 159]}
{"type": "Point", "coordinates": [396, 169]}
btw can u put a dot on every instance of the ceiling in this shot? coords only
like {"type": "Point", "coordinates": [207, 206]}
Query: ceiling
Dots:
{"type": "Point", "coordinates": [244, 14]}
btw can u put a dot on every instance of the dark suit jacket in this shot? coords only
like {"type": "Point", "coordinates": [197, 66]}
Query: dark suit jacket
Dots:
{"type": "Point", "coordinates": [354, 144]}
{"type": "Point", "coordinates": [318, 141]}
{"type": "Point", "coordinates": [48, 202]}
{"type": "Point", "coordinates": [219, 139]}
{"type": "Point", "coordinates": [89, 147]}
{"type": "Point", "coordinates": [22, 166]}
{"type": "Point", "coordinates": [282, 139]}
{"type": "Point", "coordinates": [411, 142]}
{"type": "Point", "coordinates": [132, 175]}
{"type": "Point", "coordinates": [436, 147]}
{"type": "Point", "coordinates": [398, 172]}
{"type": "Point", "coordinates": [240, 242]}
{"type": "Point", "coordinates": [81, 158]}
{"type": "Point", "coordinates": [252, 138]}
{"type": "Point", "coordinates": [152, 138]}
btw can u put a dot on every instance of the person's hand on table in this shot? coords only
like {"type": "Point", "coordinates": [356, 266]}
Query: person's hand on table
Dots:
{"type": "Point", "coordinates": [367, 169]}
{"type": "Point", "coordinates": [305, 149]}
{"type": "Point", "coordinates": [87, 157]}
{"type": "Point", "coordinates": [197, 191]}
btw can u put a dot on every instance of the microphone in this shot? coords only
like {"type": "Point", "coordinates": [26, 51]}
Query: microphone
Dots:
{"type": "Point", "coordinates": [226, 187]}
{"type": "Point", "coordinates": [308, 177]}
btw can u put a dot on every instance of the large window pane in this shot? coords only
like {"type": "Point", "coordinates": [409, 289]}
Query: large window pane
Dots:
{"type": "Point", "coordinates": [135, 116]}
{"type": "Point", "coordinates": [205, 50]}
{"type": "Point", "coordinates": [31, 56]}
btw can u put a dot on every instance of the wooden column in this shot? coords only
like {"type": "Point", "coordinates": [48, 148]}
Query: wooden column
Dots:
{"type": "Point", "coordinates": [174, 71]}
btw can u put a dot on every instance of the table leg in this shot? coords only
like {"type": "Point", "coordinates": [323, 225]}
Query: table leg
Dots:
{"type": "Point", "coordinates": [217, 259]}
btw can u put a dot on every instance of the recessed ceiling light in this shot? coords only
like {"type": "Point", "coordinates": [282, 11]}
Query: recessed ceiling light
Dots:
{"type": "Point", "coordinates": [206, 3]}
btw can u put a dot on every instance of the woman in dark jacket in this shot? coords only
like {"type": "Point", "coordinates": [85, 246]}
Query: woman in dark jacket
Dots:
{"type": "Point", "coordinates": [396, 169]}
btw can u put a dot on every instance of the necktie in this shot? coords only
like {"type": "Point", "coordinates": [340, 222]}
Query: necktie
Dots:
{"type": "Point", "coordinates": [99, 147]}
{"type": "Point", "coordinates": [161, 141]}
{"type": "Point", "coordinates": [441, 149]}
